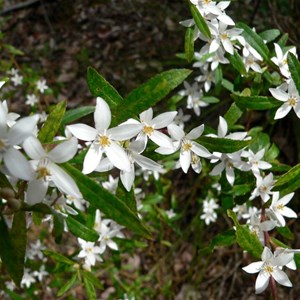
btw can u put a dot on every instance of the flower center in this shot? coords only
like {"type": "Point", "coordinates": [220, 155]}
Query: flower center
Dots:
{"type": "Point", "coordinates": [195, 159]}
{"type": "Point", "coordinates": [187, 146]}
{"type": "Point", "coordinates": [42, 172]}
{"type": "Point", "coordinates": [292, 101]}
{"type": "Point", "coordinates": [269, 269]}
{"type": "Point", "coordinates": [148, 130]}
{"type": "Point", "coordinates": [104, 140]}
{"type": "Point", "coordinates": [263, 189]}
{"type": "Point", "coordinates": [280, 206]}
{"type": "Point", "coordinates": [224, 36]}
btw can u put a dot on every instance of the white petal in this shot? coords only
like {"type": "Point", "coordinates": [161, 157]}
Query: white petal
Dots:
{"type": "Point", "coordinates": [279, 94]}
{"type": "Point", "coordinates": [22, 129]}
{"type": "Point", "coordinates": [17, 164]}
{"type": "Point", "coordinates": [218, 169]}
{"type": "Point", "coordinates": [64, 151]}
{"type": "Point", "coordinates": [36, 191]}
{"type": "Point", "coordinates": [281, 278]}
{"type": "Point", "coordinates": [147, 115]}
{"type": "Point", "coordinates": [163, 120]}
{"type": "Point", "coordinates": [64, 181]}
{"type": "Point", "coordinates": [92, 158]}
{"type": "Point", "coordinates": [83, 132]}
{"type": "Point", "coordinates": [253, 267]}
{"type": "Point", "coordinates": [223, 127]}
{"type": "Point", "coordinates": [226, 19]}
{"type": "Point", "coordinates": [227, 46]}
{"type": "Point", "coordinates": [214, 46]}
{"type": "Point", "coordinates": [127, 179]}
{"type": "Point", "coordinates": [230, 175]}
{"type": "Point", "coordinates": [289, 213]}
{"type": "Point", "coordinates": [195, 133]}
{"type": "Point", "coordinates": [262, 282]}
{"type": "Point", "coordinates": [146, 162]}
{"type": "Point", "coordinates": [278, 51]}
{"type": "Point", "coordinates": [200, 150]}
{"type": "Point", "coordinates": [175, 132]}
{"type": "Point", "coordinates": [286, 199]}
{"type": "Point", "coordinates": [124, 132]}
{"type": "Point", "coordinates": [102, 115]}
{"type": "Point", "coordinates": [185, 160]}
{"type": "Point", "coordinates": [266, 254]}
{"type": "Point", "coordinates": [105, 165]}
{"type": "Point", "coordinates": [118, 157]}
{"type": "Point", "coordinates": [161, 139]}
{"type": "Point", "coordinates": [33, 148]}
{"type": "Point", "coordinates": [282, 111]}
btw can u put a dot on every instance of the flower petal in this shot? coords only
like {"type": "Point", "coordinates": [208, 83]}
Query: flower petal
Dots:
{"type": "Point", "coordinates": [163, 120]}
{"type": "Point", "coordinates": [262, 282]}
{"type": "Point", "coordinates": [64, 181]}
{"type": "Point", "coordinates": [253, 267]}
{"type": "Point", "coordinates": [83, 131]}
{"type": "Point", "coordinates": [281, 278]}
{"type": "Point", "coordinates": [195, 133]}
{"type": "Point", "coordinates": [175, 132]}
{"type": "Point", "coordinates": [279, 94]}
{"type": "Point", "coordinates": [64, 151]}
{"type": "Point", "coordinates": [17, 164]}
{"type": "Point", "coordinates": [124, 132]}
{"type": "Point", "coordinates": [161, 139]}
{"type": "Point", "coordinates": [118, 157]}
{"type": "Point", "coordinates": [282, 111]}
{"type": "Point", "coordinates": [92, 158]}
{"type": "Point", "coordinates": [185, 160]}
{"type": "Point", "coordinates": [147, 115]}
{"type": "Point", "coordinates": [127, 178]}
{"type": "Point", "coordinates": [33, 148]}
{"type": "Point", "coordinates": [146, 162]}
{"type": "Point", "coordinates": [200, 150]}
{"type": "Point", "coordinates": [102, 115]}
{"type": "Point", "coordinates": [36, 191]}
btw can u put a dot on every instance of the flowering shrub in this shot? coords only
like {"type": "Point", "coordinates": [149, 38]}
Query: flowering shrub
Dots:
{"type": "Point", "coordinates": [92, 181]}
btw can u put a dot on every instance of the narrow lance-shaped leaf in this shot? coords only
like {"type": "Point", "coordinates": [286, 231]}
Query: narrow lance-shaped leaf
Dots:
{"type": "Point", "coordinates": [7, 253]}
{"type": "Point", "coordinates": [99, 87]}
{"type": "Point", "coordinates": [237, 63]}
{"type": "Point", "coordinates": [110, 205]}
{"type": "Point", "coordinates": [59, 257]}
{"type": "Point", "coordinates": [80, 230]}
{"type": "Point", "coordinates": [233, 114]}
{"type": "Point", "coordinates": [294, 67]}
{"type": "Point", "coordinates": [90, 289]}
{"type": "Point", "coordinates": [270, 35]}
{"type": "Point", "coordinates": [255, 41]}
{"type": "Point", "coordinates": [69, 284]}
{"type": "Point", "coordinates": [222, 145]}
{"type": "Point", "coordinates": [189, 43]}
{"type": "Point", "coordinates": [76, 113]}
{"type": "Point", "coordinates": [52, 124]}
{"type": "Point", "coordinates": [247, 240]}
{"type": "Point", "coordinates": [200, 22]}
{"type": "Point", "coordinates": [148, 94]}
{"type": "Point", "coordinates": [255, 102]}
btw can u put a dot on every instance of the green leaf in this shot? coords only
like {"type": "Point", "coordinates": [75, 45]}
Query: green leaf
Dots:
{"type": "Point", "coordinates": [51, 126]}
{"type": "Point", "coordinates": [8, 254]}
{"type": "Point", "coordinates": [18, 236]}
{"type": "Point", "coordinates": [255, 41]}
{"type": "Point", "coordinates": [148, 94]}
{"type": "Point", "coordinates": [200, 22]}
{"type": "Point", "coordinates": [90, 289]}
{"type": "Point", "coordinates": [59, 257]}
{"type": "Point", "coordinates": [247, 240]}
{"type": "Point", "coordinates": [233, 114]}
{"type": "Point", "coordinates": [80, 230]}
{"type": "Point", "coordinates": [93, 279]}
{"type": "Point", "coordinates": [222, 145]}
{"type": "Point", "coordinates": [285, 232]}
{"type": "Point", "coordinates": [289, 182]}
{"type": "Point", "coordinates": [58, 226]}
{"type": "Point", "coordinates": [110, 205]}
{"type": "Point", "coordinates": [127, 197]}
{"type": "Point", "coordinates": [226, 238]}
{"type": "Point", "coordinates": [189, 43]}
{"type": "Point", "coordinates": [255, 102]}
{"type": "Point", "coordinates": [76, 113]}
{"type": "Point", "coordinates": [237, 63]}
{"type": "Point", "coordinates": [294, 67]}
{"type": "Point", "coordinates": [228, 85]}
{"type": "Point", "coordinates": [68, 285]}
{"type": "Point", "coordinates": [210, 99]}
{"type": "Point", "coordinates": [269, 35]}
{"type": "Point", "coordinates": [99, 87]}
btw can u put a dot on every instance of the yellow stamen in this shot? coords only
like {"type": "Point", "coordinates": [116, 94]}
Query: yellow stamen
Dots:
{"type": "Point", "coordinates": [148, 129]}
{"type": "Point", "coordinates": [187, 146]}
{"type": "Point", "coordinates": [292, 101]}
{"type": "Point", "coordinates": [42, 172]}
{"type": "Point", "coordinates": [104, 141]}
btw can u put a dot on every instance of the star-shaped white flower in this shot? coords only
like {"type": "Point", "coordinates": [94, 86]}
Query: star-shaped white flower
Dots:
{"type": "Point", "coordinates": [185, 142]}
{"type": "Point", "coordinates": [104, 140]}
{"type": "Point", "coordinates": [46, 169]}
{"type": "Point", "coordinates": [89, 252]}
{"type": "Point", "coordinates": [279, 210]}
{"type": "Point", "coordinates": [263, 188]}
{"type": "Point", "coordinates": [269, 266]}
{"type": "Point", "coordinates": [290, 98]}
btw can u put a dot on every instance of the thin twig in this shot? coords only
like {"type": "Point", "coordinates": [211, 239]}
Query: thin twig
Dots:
{"type": "Point", "coordinates": [18, 6]}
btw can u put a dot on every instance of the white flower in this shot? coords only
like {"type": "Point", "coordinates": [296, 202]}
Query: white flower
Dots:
{"type": "Point", "coordinates": [104, 139]}
{"type": "Point", "coordinates": [263, 187]}
{"type": "Point", "coordinates": [10, 117]}
{"type": "Point", "coordinates": [41, 273]}
{"type": "Point", "coordinates": [112, 184]}
{"type": "Point", "coordinates": [255, 161]}
{"type": "Point", "coordinates": [14, 160]}
{"type": "Point", "coordinates": [290, 98]}
{"type": "Point", "coordinates": [46, 169]}
{"type": "Point", "coordinates": [280, 59]}
{"type": "Point", "coordinates": [27, 279]}
{"type": "Point", "coordinates": [279, 210]}
{"type": "Point", "coordinates": [17, 79]}
{"type": "Point", "coordinates": [269, 266]}
{"type": "Point", "coordinates": [181, 118]}
{"type": "Point", "coordinates": [35, 250]}
{"type": "Point", "coordinates": [209, 215]}
{"type": "Point", "coordinates": [89, 252]}
{"type": "Point", "coordinates": [41, 85]}
{"type": "Point", "coordinates": [31, 99]}
{"type": "Point", "coordinates": [150, 128]}
{"type": "Point", "coordinates": [186, 144]}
